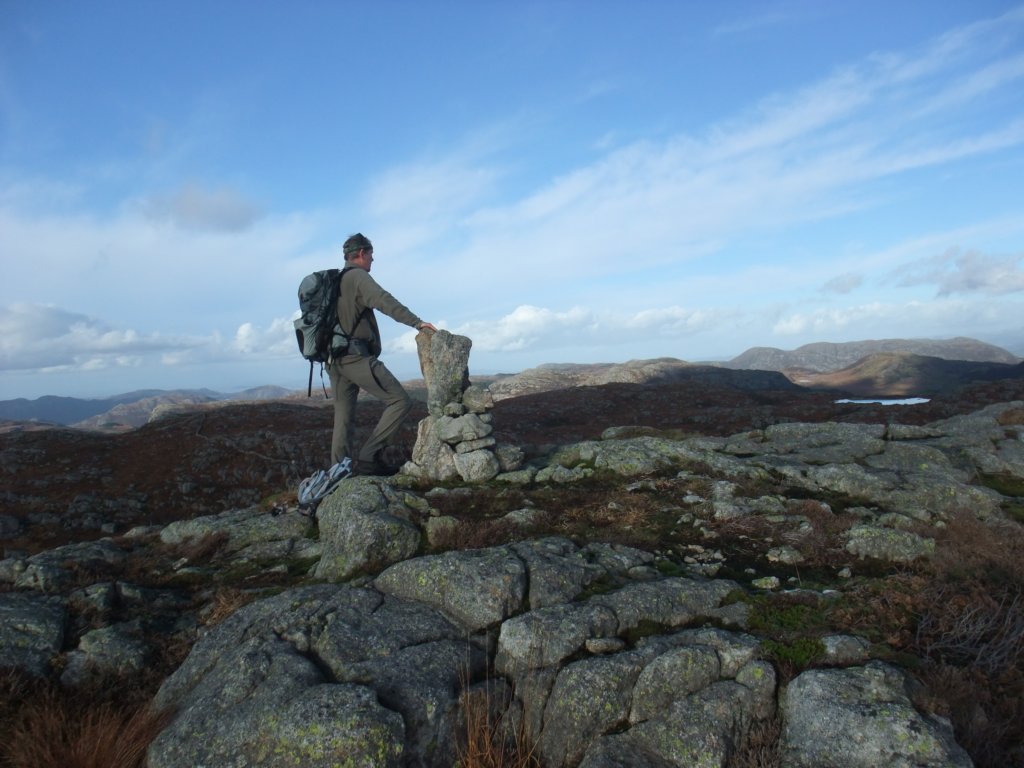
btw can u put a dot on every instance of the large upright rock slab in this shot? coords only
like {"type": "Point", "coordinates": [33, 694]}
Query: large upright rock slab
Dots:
{"type": "Point", "coordinates": [444, 360]}
{"type": "Point", "coordinates": [454, 440]}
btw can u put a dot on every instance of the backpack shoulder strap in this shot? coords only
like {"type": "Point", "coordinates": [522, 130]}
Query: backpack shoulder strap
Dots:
{"type": "Point", "coordinates": [359, 318]}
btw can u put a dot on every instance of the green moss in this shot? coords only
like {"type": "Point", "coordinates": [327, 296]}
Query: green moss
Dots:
{"type": "Point", "coordinates": [772, 617]}
{"type": "Point", "coordinates": [1004, 483]}
{"type": "Point", "coordinates": [800, 653]}
{"type": "Point", "coordinates": [667, 567]}
{"type": "Point", "coordinates": [1015, 511]}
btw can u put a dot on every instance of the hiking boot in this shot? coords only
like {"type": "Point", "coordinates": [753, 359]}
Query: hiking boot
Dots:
{"type": "Point", "coordinates": [388, 461]}
{"type": "Point", "coordinates": [391, 459]}
{"type": "Point", "coordinates": [368, 468]}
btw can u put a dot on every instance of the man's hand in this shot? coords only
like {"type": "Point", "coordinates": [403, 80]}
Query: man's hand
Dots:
{"type": "Point", "coordinates": [426, 327]}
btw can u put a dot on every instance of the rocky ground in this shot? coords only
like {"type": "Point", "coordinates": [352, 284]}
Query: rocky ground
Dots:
{"type": "Point", "coordinates": [62, 485]}
{"type": "Point", "coordinates": [880, 562]}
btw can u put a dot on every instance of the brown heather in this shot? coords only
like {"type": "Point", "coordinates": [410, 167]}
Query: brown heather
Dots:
{"type": "Point", "coordinates": [52, 728]}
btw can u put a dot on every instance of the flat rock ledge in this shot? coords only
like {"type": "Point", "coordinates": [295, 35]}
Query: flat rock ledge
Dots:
{"type": "Point", "coordinates": [921, 473]}
{"type": "Point", "coordinates": [588, 651]}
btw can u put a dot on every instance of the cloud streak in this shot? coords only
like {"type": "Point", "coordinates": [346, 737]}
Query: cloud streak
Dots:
{"type": "Point", "coordinates": [599, 248]}
{"type": "Point", "coordinates": [196, 207]}
{"type": "Point", "coordinates": [966, 272]}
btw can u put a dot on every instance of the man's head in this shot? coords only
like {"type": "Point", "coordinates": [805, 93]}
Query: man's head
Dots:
{"type": "Point", "coordinates": [359, 251]}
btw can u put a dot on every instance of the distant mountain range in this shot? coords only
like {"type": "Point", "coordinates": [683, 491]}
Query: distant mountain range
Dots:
{"type": "Point", "coordinates": [132, 409]}
{"type": "Point", "coordinates": [901, 374]}
{"type": "Point", "coordinates": [823, 357]}
{"type": "Point", "coordinates": [551, 377]}
{"type": "Point", "coordinates": [894, 367]}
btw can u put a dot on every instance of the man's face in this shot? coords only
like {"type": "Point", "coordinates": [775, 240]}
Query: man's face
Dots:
{"type": "Point", "coordinates": [364, 259]}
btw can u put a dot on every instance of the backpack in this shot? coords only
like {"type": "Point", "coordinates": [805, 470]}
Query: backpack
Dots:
{"type": "Point", "coordinates": [313, 489]}
{"type": "Point", "coordinates": [317, 330]}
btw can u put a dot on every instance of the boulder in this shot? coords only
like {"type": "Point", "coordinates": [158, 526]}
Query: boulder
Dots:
{"type": "Point", "coordinates": [629, 458]}
{"type": "Point", "coordinates": [589, 698]}
{"type": "Point", "coordinates": [888, 544]}
{"type": "Point", "coordinates": [250, 534]}
{"type": "Point", "coordinates": [318, 676]}
{"type": "Point", "coordinates": [862, 716]}
{"type": "Point", "coordinates": [115, 650]}
{"type": "Point", "coordinates": [467, 427]}
{"type": "Point", "coordinates": [364, 527]}
{"type": "Point", "coordinates": [477, 589]}
{"type": "Point", "coordinates": [477, 466]}
{"type": "Point", "coordinates": [31, 631]}
{"type": "Point", "coordinates": [477, 399]}
{"type": "Point", "coordinates": [54, 569]}
{"type": "Point", "coordinates": [432, 455]}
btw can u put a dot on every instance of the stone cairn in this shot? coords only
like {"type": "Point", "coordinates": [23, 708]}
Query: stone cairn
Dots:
{"type": "Point", "coordinates": [455, 440]}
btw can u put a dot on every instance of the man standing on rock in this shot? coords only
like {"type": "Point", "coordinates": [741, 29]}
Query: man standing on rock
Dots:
{"type": "Point", "coordinates": [359, 368]}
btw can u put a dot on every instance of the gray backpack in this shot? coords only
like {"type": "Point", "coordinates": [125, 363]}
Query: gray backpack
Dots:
{"type": "Point", "coordinates": [320, 336]}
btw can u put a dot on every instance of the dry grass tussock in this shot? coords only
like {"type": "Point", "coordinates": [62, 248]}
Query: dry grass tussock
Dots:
{"type": "Point", "coordinates": [43, 726]}
{"type": "Point", "coordinates": [477, 534]}
{"type": "Point", "coordinates": [760, 747]}
{"type": "Point", "coordinates": [492, 739]}
{"type": "Point", "coordinates": [201, 548]}
{"type": "Point", "coordinates": [224, 603]}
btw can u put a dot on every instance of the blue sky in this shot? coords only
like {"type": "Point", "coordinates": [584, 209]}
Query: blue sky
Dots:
{"type": "Point", "coordinates": [561, 181]}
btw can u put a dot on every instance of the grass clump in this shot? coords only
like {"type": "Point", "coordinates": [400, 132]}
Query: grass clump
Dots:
{"type": "Point", "coordinates": [494, 737]}
{"type": "Point", "coordinates": [760, 746]}
{"type": "Point", "coordinates": [45, 726]}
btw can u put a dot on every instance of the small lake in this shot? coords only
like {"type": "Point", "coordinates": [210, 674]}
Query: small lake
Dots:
{"type": "Point", "coordinates": [891, 401]}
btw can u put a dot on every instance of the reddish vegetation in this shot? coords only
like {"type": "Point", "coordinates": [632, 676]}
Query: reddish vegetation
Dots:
{"type": "Point", "coordinates": [66, 482]}
{"type": "Point", "coordinates": [582, 414]}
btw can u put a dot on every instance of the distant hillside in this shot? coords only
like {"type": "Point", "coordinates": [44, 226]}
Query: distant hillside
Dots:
{"type": "Point", "coordinates": [65, 410]}
{"type": "Point", "coordinates": [131, 409]}
{"type": "Point", "coordinates": [759, 368]}
{"type": "Point", "coordinates": [901, 374]}
{"type": "Point", "coordinates": [823, 357]}
{"type": "Point", "coordinates": [548, 378]}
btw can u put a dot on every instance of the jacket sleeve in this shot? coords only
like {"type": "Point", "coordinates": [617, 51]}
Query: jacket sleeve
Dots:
{"type": "Point", "coordinates": [370, 294]}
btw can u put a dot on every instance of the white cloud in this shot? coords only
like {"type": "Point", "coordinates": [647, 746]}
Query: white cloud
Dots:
{"type": "Point", "coordinates": [831, 322]}
{"type": "Point", "coordinates": [541, 328]}
{"type": "Point", "coordinates": [958, 271]}
{"type": "Point", "coordinates": [38, 336]}
{"type": "Point", "coordinates": [529, 326]}
{"type": "Point", "coordinates": [275, 340]}
{"type": "Point", "coordinates": [674, 321]}
{"type": "Point", "coordinates": [943, 318]}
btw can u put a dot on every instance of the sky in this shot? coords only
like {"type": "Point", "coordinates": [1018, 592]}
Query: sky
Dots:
{"type": "Point", "coordinates": [568, 181]}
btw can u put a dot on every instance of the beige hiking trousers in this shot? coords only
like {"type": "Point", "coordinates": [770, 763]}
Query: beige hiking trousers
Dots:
{"type": "Point", "coordinates": [348, 376]}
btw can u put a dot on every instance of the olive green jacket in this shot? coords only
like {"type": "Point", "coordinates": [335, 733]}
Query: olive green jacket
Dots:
{"type": "Point", "coordinates": [360, 295]}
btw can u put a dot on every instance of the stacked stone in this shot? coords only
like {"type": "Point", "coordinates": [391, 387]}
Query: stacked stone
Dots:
{"type": "Point", "coordinates": [455, 440]}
